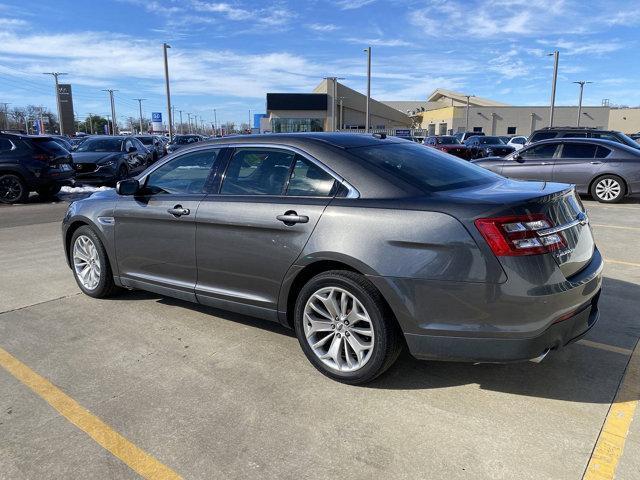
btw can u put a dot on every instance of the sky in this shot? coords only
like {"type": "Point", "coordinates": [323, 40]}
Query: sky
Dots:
{"type": "Point", "coordinates": [227, 55]}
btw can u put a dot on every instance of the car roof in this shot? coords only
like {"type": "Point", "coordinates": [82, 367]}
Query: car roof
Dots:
{"type": "Point", "coordinates": [339, 140]}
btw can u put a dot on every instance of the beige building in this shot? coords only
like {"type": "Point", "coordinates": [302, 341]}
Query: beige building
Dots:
{"type": "Point", "coordinates": [626, 120]}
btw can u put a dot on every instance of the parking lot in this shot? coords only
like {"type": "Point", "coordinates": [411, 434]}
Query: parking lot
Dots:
{"type": "Point", "coordinates": [141, 383]}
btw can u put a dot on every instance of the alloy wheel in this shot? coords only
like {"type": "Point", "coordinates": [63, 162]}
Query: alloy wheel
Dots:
{"type": "Point", "coordinates": [10, 188]}
{"type": "Point", "coordinates": [86, 262]}
{"type": "Point", "coordinates": [608, 189]}
{"type": "Point", "coordinates": [338, 329]}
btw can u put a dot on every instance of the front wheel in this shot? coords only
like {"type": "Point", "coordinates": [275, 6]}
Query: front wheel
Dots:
{"type": "Point", "coordinates": [608, 189]}
{"type": "Point", "coordinates": [13, 189]}
{"type": "Point", "coordinates": [345, 328]}
{"type": "Point", "coordinates": [90, 264]}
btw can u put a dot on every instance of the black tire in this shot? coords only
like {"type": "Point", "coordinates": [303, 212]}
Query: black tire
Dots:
{"type": "Point", "coordinates": [106, 286]}
{"type": "Point", "coordinates": [50, 191]}
{"type": "Point", "coordinates": [13, 189]}
{"type": "Point", "coordinates": [603, 187]}
{"type": "Point", "coordinates": [387, 343]}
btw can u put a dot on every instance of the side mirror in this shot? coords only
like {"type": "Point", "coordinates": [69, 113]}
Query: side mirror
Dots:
{"type": "Point", "coordinates": [518, 158]}
{"type": "Point", "coordinates": [132, 149]}
{"type": "Point", "coordinates": [129, 186]}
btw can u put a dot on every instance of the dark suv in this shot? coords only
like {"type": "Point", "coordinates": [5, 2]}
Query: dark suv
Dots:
{"type": "Point", "coordinates": [30, 163]}
{"type": "Point", "coordinates": [581, 132]}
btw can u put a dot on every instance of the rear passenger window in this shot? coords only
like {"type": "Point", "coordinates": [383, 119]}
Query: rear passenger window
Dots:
{"type": "Point", "coordinates": [578, 150]}
{"type": "Point", "coordinates": [602, 152]}
{"type": "Point", "coordinates": [257, 171]}
{"type": "Point", "coordinates": [309, 180]}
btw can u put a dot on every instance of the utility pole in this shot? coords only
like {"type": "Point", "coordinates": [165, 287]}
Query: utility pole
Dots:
{"type": "Point", "coordinates": [41, 130]}
{"type": "Point", "coordinates": [366, 121]}
{"type": "Point", "coordinates": [114, 126]}
{"type": "Point", "coordinates": [466, 123]}
{"type": "Point", "coordinates": [189, 122]}
{"type": "Point", "coordinates": [140, 100]}
{"type": "Point", "coordinates": [181, 126]}
{"type": "Point", "coordinates": [91, 123]}
{"type": "Point", "coordinates": [556, 56]}
{"type": "Point", "coordinates": [215, 122]}
{"type": "Point", "coordinates": [55, 77]}
{"type": "Point", "coordinates": [341, 124]}
{"type": "Point", "coordinates": [5, 107]}
{"type": "Point", "coordinates": [165, 46]}
{"type": "Point", "coordinates": [582, 83]}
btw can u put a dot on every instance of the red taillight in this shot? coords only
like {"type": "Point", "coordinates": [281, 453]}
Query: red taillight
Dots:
{"type": "Point", "coordinates": [43, 157]}
{"type": "Point", "coordinates": [519, 235]}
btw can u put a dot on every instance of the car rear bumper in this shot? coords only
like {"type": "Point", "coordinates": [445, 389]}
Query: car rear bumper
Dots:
{"type": "Point", "coordinates": [495, 322]}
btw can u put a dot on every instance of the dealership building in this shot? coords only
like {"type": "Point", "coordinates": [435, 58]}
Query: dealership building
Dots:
{"type": "Point", "coordinates": [332, 106]}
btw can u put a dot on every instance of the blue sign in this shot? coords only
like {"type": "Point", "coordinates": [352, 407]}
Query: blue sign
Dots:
{"type": "Point", "coordinates": [402, 132]}
{"type": "Point", "coordinates": [156, 117]}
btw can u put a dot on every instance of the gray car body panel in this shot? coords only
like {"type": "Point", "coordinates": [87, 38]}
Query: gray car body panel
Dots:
{"type": "Point", "coordinates": [439, 277]}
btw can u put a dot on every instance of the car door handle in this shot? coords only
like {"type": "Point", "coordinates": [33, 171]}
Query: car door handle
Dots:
{"type": "Point", "coordinates": [291, 218]}
{"type": "Point", "coordinates": [178, 211]}
{"type": "Point", "coordinates": [595, 163]}
{"type": "Point", "coordinates": [546, 163]}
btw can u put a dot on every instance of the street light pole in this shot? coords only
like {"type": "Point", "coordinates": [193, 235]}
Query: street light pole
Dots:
{"type": "Point", "coordinates": [582, 83]}
{"type": "Point", "coordinates": [189, 122]}
{"type": "Point", "coordinates": [140, 100]}
{"type": "Point", "coordinates": [165, 46]}
{"type": "Point", "coordinates": [366, 120]}
{"type": "Point", "coordinates": [114, 125]}
{"type": "Point", "coordinates": [55, 77]}
{"type": "Point", "coordinates": [215, 122]}
{"type": "Point", "coordinates": [181, 126]}
{"type": "Point", "coordinates": [466, 123]}
{"type": "Point", "coordinates": [556, 57]}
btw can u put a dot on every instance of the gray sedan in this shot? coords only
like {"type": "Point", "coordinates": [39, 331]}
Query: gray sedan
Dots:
{"type": "Point", "coordinates": [362, 244]}
{"type": "Point", "coordinates": [604, 169]}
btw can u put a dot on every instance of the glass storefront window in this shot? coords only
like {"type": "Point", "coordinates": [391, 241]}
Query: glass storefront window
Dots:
{"type": "Point", "coordinates": [290, 125]}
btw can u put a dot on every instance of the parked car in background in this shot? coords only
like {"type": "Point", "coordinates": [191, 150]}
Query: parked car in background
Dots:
{"type": "Point", "coordinates": [106, 159]}
{"type": "Point", "coordinates": [464, 136]}
{"type": "Point", "coordinates": [604, 169]}
{"type": "Point", "coordinates": [517, 142]}
{"type": "Point", "coordinates": [487, 146]}
{"type": "Point", "coordinates": [276, 223]}
{"type": "Point", "coordinates": [153, 144]}
{"type": "Point", "coordinates": [63, 141]}
{"type": "Point", "coordinates": [505, 138]}
{"type": "Point", "coordinates": [75, 141]}
{"type": "Point", "coordinates": [180, 141]}
{"type": "Point", "coordinates": [448, 144]}
{"type": "Point", "coordinates": [635, 137]}
{"type": "Point", "coordinates": [32, 163]}
{"type": "Point", "coordinates": [582, 132]}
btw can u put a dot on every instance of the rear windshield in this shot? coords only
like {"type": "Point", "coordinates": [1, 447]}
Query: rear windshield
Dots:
{"type": "Point", "coordinates": [100, 145]}
{"type": "Point", "coordinates": [490, 141]}
{"type": "Point", "coordinates": [183, 140]}
{"type": "Point", "coordinates": [447, 140]}
{"type": "Point", "coordinates": [49, 145]}
{"type": "Point", "coordinates": [424, 168]}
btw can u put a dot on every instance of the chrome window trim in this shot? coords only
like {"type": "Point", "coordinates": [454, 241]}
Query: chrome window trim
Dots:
{"type": "Point", "coordinates": [13, 145]}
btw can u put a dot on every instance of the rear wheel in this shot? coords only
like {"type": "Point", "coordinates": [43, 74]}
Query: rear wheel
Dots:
{"type": "Point", "coordinates": [13, 189]}
{"type": "Point", "coordinates": [608, 189]}
{"type": "Point", "coordinates": [344, 327]}
{"type": "Point", "coordinates": [90, 264]}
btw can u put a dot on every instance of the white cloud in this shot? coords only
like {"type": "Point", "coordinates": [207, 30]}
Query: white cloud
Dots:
{"type": "Point", "coordinates": [271, 16]}
{"type": "Point", "coordinates": [571, 47]}
{"type": "Point", "coordinates": [378, 42]}
{"type": "Point", "coordinates": [323, 27]}
{"type": "Point", "coordinates": [352, 4]}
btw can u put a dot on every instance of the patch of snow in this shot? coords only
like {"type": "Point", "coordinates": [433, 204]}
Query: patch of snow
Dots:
{"type": "Point", "coordinates": [66, 189]}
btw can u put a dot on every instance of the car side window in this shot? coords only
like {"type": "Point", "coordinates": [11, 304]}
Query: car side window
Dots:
{"type": "Point", "coordinates": [186, 174]}
{"type": "Point", "coordinates": [128, 143]}
{"type": "Point", "coordinates": [578, 150]}
{"type": "Point", "coordinates": [519, 141]}
{"type": "Point", "coordinates": [543, 136]}
{"type": "Point", "coordinates": [606, 136]}
{"type": "Point", "coordinates": [257, 171]}
{"type": "Point", "coordinates": [546, 150]}
{"type": "Point", "coordinates": [575, 135]}
{"type": "Point", "coordinates": [309, 180]}
{"type": "Point", "coordinates": [602, 152]}
{"type": "Point", "coordinates": [5, 145]}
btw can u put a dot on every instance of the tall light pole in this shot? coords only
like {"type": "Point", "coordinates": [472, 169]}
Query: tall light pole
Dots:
{"type": "Point", "coordinates": [556, 57]}
{"type": "Point", "coordinates": [114, 125]}
{"type": "Point", "coordinates": [189, 122]}
{"type": "Point", "coordinates": [366, 120]}
{"type": "Point", "coordinates": [165, 46]}
{"type": "Point", "coordinates": [582, 83]}
{"type": "Point", "coordinates": [181, 126]}
{"type": "Point", "coordinates": [55, 77]}
{"type": "Point", "coordinates": [215, 122]}
{"type": "Point", "coordinates": [466, 122]}
{"type": "Point", "coordinates": [140, 100]}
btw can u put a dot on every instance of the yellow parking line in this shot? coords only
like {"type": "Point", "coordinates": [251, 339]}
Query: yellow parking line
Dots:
{"type": "Point", "coordinates": [610, 444]}
{"type": "Point", "coordinates": [138, 460]}
{"type": "Point", "coordinates": [620, 227]}
{"type": "Point", "coordinates": [620, 262]}
{"type": "Point", "coordinates": [604, 346]}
